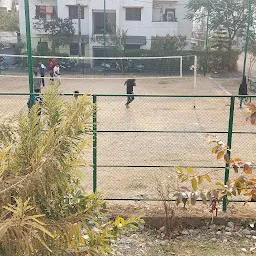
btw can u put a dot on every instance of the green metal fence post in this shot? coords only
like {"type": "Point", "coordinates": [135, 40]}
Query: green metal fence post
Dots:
{"type": "Point", "coordinates": [229, 144]}
{"type": "Point", "coordinates": [95, 144]}
{"type": "Point", "coordinates": [29, 50]}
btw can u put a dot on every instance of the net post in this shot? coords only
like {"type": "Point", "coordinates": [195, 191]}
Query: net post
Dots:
{"type": "Point", "coordinates": [229, 144]}
{"type": "Point", "coordinates": [181, 61]}
{"type": "Point", "coordinates": [94, 99]}
{"type": "Point", "coordinates": [195, 81]}
{"type": "Point", "coordinates": [195, 72]}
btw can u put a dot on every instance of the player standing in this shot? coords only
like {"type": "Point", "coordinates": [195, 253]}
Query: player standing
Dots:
{"type": "Point", "coordinates": [56, 73]}
{"type": "Point", "coordinates": [42, 71]}
{"type": "Point", "coordinates": [243, 90]}
{"type": "Point", "coordinates": [52, 64]}
{"type": "Point", "coordinates": [130, 83]}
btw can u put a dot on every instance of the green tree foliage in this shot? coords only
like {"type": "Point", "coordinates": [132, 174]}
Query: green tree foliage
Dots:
{"type": "Point", "coordinates": [116, 40]}
{"type": "Point", "coordinates": [242, 182]}
{"type": "Point", "coordinates": [165, 46]}
{"type": "Point", "coordinates": [44, 209]}
{"type": "Point", "coordinates": [9, 21]}
{"type": "Point", "coordinates": [60, 31]}
{"type": "Point", "coordinates": [231, 15]}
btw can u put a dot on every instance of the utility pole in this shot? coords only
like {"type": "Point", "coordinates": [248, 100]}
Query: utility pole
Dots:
{"type": "Point", "coordinates": [29, 50]}
{"type": "Point", "coordinates": [79, 31]}
{"type": "Point", "coordinates": [206, 42]}
{"type": "Point", "coordinates": [247, 35]}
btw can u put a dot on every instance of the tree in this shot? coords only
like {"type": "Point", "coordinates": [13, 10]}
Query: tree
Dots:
{"type": "Point", "coordinates": [60, 31]}
{"type": "Point", "coordinates": [43, 207]}
{"type": "Point", "coordinates": [240, 183]}
{"type": "Point", "coordinates": [116, 40]}
{"type": "Point", "coordinates": [165, 46]}
{"type": "Point", "coordinates": [231, 15]}
{"type": "Point", "coordinates": [9, 21]}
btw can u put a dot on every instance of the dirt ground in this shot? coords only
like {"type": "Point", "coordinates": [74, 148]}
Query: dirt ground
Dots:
{"type": "Point", "coordinates": [200, 243]}
{"type": "Point", "coordinates": [177, 137]}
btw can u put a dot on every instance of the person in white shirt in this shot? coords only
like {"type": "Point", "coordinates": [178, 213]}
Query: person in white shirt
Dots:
{"type": "Point", "coordinates": [56, 73]}
{"type": "Point", "coordinates": [42, 71]}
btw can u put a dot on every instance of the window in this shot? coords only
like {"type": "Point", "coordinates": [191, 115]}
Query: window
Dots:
{"type": "Point", "coordinates": [73, 12]}
{"type": "Point", "coordinates": [132, 47]}
{"type": "Point", "coordinates": [98, 22]}
{"type": "Point", "coordinates": [42, 48]}
{"type": "Point", "coordinates": [133, 14]}
{"type": "Point", "coordinates": [46, 12]}
{"type": "Point", "coordinates": [74, 49]}
{"type": "Point", "coordinates": [40, 12]}
{"type": "Point", "coordinates": [170, 15]}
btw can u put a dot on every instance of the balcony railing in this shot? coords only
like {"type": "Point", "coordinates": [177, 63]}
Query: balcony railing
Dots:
{"type": "Point", "coordinates": [164, 20]}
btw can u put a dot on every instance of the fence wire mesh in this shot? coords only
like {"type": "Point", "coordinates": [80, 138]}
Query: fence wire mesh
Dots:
{"type": "Point", "coordinates": [141, 145]}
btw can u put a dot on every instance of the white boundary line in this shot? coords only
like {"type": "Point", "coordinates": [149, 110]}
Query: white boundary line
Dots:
{"type": "Point", "coordinates": [221, 87]}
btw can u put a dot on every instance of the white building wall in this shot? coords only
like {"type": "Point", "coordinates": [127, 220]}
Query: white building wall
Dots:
{"type": "Point", "coordinates": [146, 27]}
{"type": "Point", "coordinates": [6, 4]}
{"type": "Point", "coordinates": [63, 12]}
{"type": "Point", "coordinates": [184, 25]}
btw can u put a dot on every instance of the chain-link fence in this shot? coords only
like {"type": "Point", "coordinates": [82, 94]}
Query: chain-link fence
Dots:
{"type": "Point", "coordinates": [135, 148]}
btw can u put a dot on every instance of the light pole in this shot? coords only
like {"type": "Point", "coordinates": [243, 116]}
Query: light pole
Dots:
{"type": "Point", "coordinates": [29, 50]}
{"type": "Point", "coordinates": [247, 35]}
{"type": "Point", "coordinates": [79, 31]}
{"type": "Point", "coordinates": [206, 42]}
{"type": "Point", "coordinates": [104, 29]}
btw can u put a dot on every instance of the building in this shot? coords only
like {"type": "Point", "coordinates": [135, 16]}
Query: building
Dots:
{"type": "Point", "coordinates": [142, 20]}
{"type": "Point", "coordinates": [7, 4]}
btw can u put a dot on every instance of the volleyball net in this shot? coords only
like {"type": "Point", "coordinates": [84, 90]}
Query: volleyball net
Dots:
{"type": "Point", "coordinates": [100, 67]}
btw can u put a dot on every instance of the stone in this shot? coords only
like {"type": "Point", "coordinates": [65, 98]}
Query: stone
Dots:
{"type": "Point", "coordinates": [238, 234]}
{"type": "Point", "coordinates": [218, 233]}
{"type": "Point", "coordinates": [165, 242]}
{"type": "Point", "coordinates": [225, 240]}
{"type": "Point", "coordinates": [254, 237]}
{"type": "Point", "coordinates": [214, 240]}
{"type": "Point", "coordinates": [228, 229]}
{"type": "Point", "coordinates": [162, 229]}
{"type": "Point", "coordinates": [134, 236]}
{"type": "Point", "coordinates": [141, 227]}
{"type": "Point", "coordinates": [228, 233]}
{"type": "Point", "coordinates": [230, 225]}
{"type": "Point", "coordinates": [221, 227]}
{"type": "Point", "coordinates": [253, 232]}
{"type": "Point", "coordinates": [213, 227]}
{"type": "Point", "coordinates": [243, 250]}
{"type": "Point", "coordinates": [194, 231]}
{"type": "Point", "coordinates": [245, 232]}
{"type": "Point", "coordinates": [184, 232]}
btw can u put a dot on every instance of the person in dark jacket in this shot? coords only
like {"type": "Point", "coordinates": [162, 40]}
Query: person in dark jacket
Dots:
{"type": "Point", "coordinates": [243, 90]}
{"type": "Point", "coordinates": [130, 83]}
